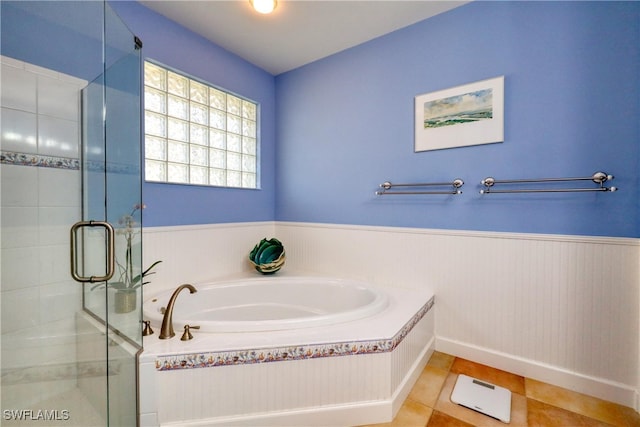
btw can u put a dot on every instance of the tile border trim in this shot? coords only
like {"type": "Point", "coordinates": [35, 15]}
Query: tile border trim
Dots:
{"type": "Point", "coordinates": [38, 160]}
{"type": "Point", "coordinates": [282, 354]}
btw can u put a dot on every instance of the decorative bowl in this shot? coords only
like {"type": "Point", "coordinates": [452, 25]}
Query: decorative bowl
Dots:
{"type": "Point", "coordinates": [267, 256]}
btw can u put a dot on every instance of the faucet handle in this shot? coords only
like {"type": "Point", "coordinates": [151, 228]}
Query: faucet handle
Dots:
{"type": "Point", "coordinates": [147, 328]}
{"type": "Point", "coordinates": [186, 335]}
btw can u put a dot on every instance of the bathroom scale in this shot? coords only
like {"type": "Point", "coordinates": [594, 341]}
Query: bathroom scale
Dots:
{"type": "Point", "coordinates": [488, 399]}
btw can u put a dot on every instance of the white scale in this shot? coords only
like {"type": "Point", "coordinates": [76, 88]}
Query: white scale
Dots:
{"type": "Point", "coordinates": [488, 399]}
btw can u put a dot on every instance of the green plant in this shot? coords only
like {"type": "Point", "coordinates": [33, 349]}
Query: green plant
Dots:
{"type": "Point", "coordinates": [126, 280]}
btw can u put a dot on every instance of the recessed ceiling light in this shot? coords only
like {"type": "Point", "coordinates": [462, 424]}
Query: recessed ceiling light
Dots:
{"type": "Point", "coordinates": [264, 6]}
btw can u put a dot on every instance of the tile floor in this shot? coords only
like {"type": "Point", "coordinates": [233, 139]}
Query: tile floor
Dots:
{"type": "Point", "coordinates": [533, 403]}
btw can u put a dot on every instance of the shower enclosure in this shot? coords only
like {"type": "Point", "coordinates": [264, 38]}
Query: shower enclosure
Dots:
{"type": "Point", "coordinates": [71, 215]}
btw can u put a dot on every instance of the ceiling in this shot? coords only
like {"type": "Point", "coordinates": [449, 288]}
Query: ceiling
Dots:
{"type": "Point", "coordinates": [298, 31]}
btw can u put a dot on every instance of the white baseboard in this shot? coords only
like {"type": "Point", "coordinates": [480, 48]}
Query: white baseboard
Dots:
{"type": "Point", "coordinates": [622, 394]}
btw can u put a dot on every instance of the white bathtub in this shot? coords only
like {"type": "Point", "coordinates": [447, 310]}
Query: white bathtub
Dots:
{"type": "Point", "coordinates": [349, 354]}
{"type": "Point", "coordinates": [269, 303]}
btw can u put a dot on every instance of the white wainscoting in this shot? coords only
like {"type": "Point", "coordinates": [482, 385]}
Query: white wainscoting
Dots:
{"type": "Point", "coordinates": [562, 309]}
{"type": "Point", "coordinates": [199, 253]}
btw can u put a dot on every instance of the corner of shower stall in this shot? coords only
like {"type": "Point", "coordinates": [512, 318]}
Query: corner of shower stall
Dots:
{"type": "Point", "coordinates": [62, 360]}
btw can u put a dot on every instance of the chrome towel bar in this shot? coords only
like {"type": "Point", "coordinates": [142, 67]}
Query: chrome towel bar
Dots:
{"type": "Point", "coordinates": [599, 178]}
{"type": "Point", "coordinates": [456, 184]}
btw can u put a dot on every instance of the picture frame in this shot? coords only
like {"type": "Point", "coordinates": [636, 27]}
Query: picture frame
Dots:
{"type": "Point", "coordinates": [461, 116]}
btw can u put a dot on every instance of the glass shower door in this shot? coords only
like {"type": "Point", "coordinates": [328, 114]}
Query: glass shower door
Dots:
{"type": "Point", "coordinates": [69, 153]}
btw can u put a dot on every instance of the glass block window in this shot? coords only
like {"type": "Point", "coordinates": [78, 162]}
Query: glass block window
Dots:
{"type": "Point", "coordinates": [196, 133]}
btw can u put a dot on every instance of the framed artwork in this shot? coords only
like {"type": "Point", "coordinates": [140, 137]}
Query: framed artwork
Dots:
{"type": "Point", "coordinates": [460, 116]}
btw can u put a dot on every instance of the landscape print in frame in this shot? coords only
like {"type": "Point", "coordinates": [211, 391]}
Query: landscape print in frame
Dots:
{"type": "Point", "coordinates": [471, 114]}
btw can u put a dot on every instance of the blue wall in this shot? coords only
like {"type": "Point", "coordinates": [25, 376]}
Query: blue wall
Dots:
{"type": "Point", "coordinates": [572, 102]}
{"type": "Point", "coordinates": [335, 129]}
{"type": "Point", "coordinates": [62, 36]}
{"type": "Point", "coordinates": [174, 46]}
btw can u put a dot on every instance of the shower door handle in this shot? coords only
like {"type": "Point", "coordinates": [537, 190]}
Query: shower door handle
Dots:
{"type": "Point", "coordinates": [110, 251]}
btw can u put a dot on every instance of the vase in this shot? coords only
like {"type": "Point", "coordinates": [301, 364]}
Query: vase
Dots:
{"type": "Point", "coordinates": [267, 256]}
{"type": "Point", "coordinates": [125, 301]}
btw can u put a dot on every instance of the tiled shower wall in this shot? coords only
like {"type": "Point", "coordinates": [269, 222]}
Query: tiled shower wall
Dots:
{"type": "Point", "coordinates": [563, 309]}
{"type": "Point", "coordinates": [40, 200]}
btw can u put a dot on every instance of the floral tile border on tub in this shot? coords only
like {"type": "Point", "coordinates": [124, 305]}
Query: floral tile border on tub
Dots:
{"type": "Point", "coordinates": [280, 354]}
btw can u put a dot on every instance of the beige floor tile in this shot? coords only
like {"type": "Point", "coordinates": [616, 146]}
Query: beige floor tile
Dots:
{"type": "Point", "coordinates": [411, 414]}
{"type": "Point", "coordinates": [446, 406]}
{"type": "Point", "coordinates": [533, 403]}
{"type": "Point", "coordinates": [441, 360]}
{"type": "Point", "coordinates": [438, 419]}
{"type": "Point", "coordinates": [428, 386]}
{"type": "Point", "coordinates": [579, 403]}
{"type": "Point", "coordinates": [542, 414]}
{"type": "Point", "coordinates": [510, 381]}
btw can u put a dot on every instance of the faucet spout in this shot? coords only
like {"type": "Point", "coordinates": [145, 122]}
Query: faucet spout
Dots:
{"type": "Point", "coordinates": [166, 331]}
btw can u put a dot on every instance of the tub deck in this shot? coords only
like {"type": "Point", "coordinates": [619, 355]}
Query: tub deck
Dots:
{"type": "Point", "coordinates": [403, 304]}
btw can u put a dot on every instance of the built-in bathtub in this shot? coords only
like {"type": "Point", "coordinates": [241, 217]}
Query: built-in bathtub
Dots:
{"type": "Point", "coordinates": [270, 303]}
{"type": "Point", "coordinates": [326, 351]}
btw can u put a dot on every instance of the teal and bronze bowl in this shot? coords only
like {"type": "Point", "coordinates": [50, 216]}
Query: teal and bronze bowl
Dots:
{"type": "Point", "coordinates": [268, 256]}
